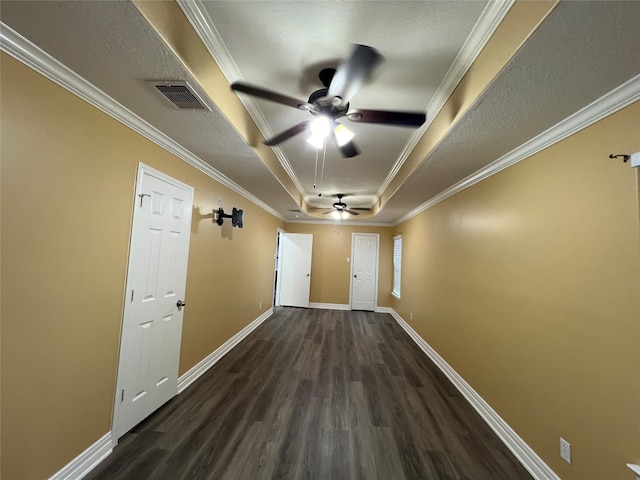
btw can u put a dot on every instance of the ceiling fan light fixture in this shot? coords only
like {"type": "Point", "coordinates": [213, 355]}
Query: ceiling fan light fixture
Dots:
{"type": "Point", "coordinates": [343, 135]}
{"type": "Point", "coordinates": [337, 214]}
{"type": "Point", "coordinates": [321, 126]}
{"type": "Point", "coordinates": [316, 140]}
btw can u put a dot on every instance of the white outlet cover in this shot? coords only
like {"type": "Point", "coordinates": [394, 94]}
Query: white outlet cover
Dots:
{"type": "Point", "coordinates": [565, 450]}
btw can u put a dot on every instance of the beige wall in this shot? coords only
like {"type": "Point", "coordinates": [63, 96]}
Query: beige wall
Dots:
{"type": "Point", "coordinates": [68, 175]}
{"type": "Point", "coordinates": [330, 271]}
{"type": "Point", "coordinates": [527, 284]}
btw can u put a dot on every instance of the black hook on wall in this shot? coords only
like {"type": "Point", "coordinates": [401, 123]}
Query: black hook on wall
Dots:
{"type": "Point", "coordinates": [625, 158]}
{"type": "Point", "coordinates": [237, 217]}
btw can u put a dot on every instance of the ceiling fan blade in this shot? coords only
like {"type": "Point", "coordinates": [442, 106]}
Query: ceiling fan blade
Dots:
{"type": "Point", "coordinates": [349, 211]}
{"type": "Point", "coordinates": [269, 95]}
{"type": "Point", "coordinates": [287, 134]}
{"type": "Point", "coordinates": [328, 211]}
{"type": "Point", "coordinates": [352, 73]}
{"type": "Point", "coordinates": [349, 150]}
{"type": "Point", "coordinates": [400, 119]}
{"type": "Point", "coordinates": [361, 208]}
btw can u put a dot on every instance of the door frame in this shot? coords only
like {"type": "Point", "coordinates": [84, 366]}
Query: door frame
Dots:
{"type": "Point", "coordinates": [142, 169]}
{"type": "Point", "coordinates": [277, 267]}
{"type": "Point", "coordinates": [287, 239]}
{"type": "Point", "coordinates": [353, 243]}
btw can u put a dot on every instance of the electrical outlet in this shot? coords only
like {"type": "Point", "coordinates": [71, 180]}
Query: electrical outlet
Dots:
{"type": "Point", "coordinates": [565, 450]}
{"type": "Point", "coordinates": [260, 307]}
{"type": "Point", "coordinates": [411, 316]}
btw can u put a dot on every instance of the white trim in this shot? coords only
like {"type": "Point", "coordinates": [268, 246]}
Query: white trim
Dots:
{"type": "Point", "coordinates": [204, 26]}
{"type": "Point", "coordinates": [635, 469]}
{"type": "Point", "coordinates": [615, 100]}
{"type": "Point", "coordinates": [487, 23]}
{"type": "Point", "coordinates": [329, 306]}
{"type": "Point", "coordinates": [210, 360]}
{"type": "Point", "coordinates": [339, 223]}
{"type": "Point", "coordinates": [87, 460]}
{"type": "Point", "coordinates": [375, 293]}
{"type": "Point", "coordinates": [277, 267]}
{"type": "Point", "coordinates": [32, 56]}
{"type": "Point", "coordinates": [523, 452]}
{"type": "Point", "coordinates": [384, 310]}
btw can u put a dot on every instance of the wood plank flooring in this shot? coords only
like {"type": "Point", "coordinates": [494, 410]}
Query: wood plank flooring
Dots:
{"type": "Point", "coordinates": [316, 394]}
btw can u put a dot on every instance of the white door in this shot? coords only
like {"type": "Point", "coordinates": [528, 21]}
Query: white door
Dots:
{"type": "Point", "coordinates": [364, 271]}
{"type": "Point", "coordinates": [295, 271]}
{"type": "Point", "coordinates": [156, 280]}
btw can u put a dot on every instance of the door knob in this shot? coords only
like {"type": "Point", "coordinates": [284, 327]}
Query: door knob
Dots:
{"type": "Point", "coordinates": [355, 276]}
{"type": "Point", "coordinates": [181, 303]}
{"type": "Point", "coordinates": [308, 275]}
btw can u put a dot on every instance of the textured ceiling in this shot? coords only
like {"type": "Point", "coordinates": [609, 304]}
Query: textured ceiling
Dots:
{"type": "Point", "coordinates": [419, 40]}
{"type": "Point", "coordinates": [581, 51]}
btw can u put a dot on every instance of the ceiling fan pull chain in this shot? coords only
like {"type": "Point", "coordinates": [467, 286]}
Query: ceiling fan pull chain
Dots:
{"type": "Point", "coordinates": [315, 173]}
{"type": "Point", "coordinates": [324, 154]}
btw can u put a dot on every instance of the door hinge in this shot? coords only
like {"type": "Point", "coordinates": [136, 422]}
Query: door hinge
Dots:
{"type": "Point", "coordinates": [132, 295]}
{"type": "Point", "coordinates": [122, 396]}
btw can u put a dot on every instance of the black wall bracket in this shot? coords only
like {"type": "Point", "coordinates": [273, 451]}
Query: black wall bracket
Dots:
{"type": "Point", "coordinates": [237, 217]}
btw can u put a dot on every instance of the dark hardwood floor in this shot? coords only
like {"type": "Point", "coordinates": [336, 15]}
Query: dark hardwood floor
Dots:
{"type": "Point", "coordinates": [316, 394]}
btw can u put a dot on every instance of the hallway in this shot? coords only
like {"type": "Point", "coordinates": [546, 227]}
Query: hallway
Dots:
{"type": "Point", "coordinates": [316, 394]}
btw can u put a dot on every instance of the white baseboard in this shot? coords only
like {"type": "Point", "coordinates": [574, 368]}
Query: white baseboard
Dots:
{"type": "Point", "coordinates": [523, 452]}
{"type": "Point", "coordinates": [209, 361]}
{"type": "Point", "coordinates": [635, 469]}
{"type": "Point", "coordinates": [92, 456]}
{"type": "Point", "coordinates": [87, 460]}
{"type": "Point", "coordinates": [343, 306]}
{"type": "Point", "coordinates": [330, 306]}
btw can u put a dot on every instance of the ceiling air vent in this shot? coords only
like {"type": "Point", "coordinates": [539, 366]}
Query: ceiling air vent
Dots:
{"type": "Point", "coordinates": [180, 94]}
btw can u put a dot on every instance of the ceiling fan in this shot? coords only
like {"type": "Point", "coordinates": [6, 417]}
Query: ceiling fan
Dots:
{"type": "Point", "coordinates": [331, 103]}
{"type": "Point", "coordinates": [340, 206]}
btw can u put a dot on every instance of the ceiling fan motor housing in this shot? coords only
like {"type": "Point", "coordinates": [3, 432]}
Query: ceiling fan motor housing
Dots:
{"type": "Point", "coordinates": [340, 205]}
{"type": "Point", "coordinates": [325, 105]}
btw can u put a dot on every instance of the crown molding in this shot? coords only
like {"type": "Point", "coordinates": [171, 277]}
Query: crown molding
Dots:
{"type": "Point", "coordinates": [620, 97]}
{"type": "Point", "coordinates": [487, 23]}
{"type": "Point", "coordinates": [14, 44]}
{"type": "Point", "coordinates": [202, 23]}
{"type": "Point", "coordinates": [340, 223]}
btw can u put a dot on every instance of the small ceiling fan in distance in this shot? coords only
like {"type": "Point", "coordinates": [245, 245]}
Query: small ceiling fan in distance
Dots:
{"type": "Point", "coordinates": [339, 207]}
{"type": "Point", "coordinates": [331, 103]}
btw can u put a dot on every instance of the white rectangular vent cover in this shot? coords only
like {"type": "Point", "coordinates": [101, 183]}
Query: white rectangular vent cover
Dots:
{"type": "Point", "coordinates": [180, 94]}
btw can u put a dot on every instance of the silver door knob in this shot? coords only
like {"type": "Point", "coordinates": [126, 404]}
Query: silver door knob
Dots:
{"type": "Point", "coordinates": [181, 303]}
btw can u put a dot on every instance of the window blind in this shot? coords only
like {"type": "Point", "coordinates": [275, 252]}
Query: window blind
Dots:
{"type": "Point", "coordinates": [397, 264]}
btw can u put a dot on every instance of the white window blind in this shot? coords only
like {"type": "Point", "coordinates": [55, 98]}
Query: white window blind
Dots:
{"type": "Point", "coordinates": [397, 264]}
